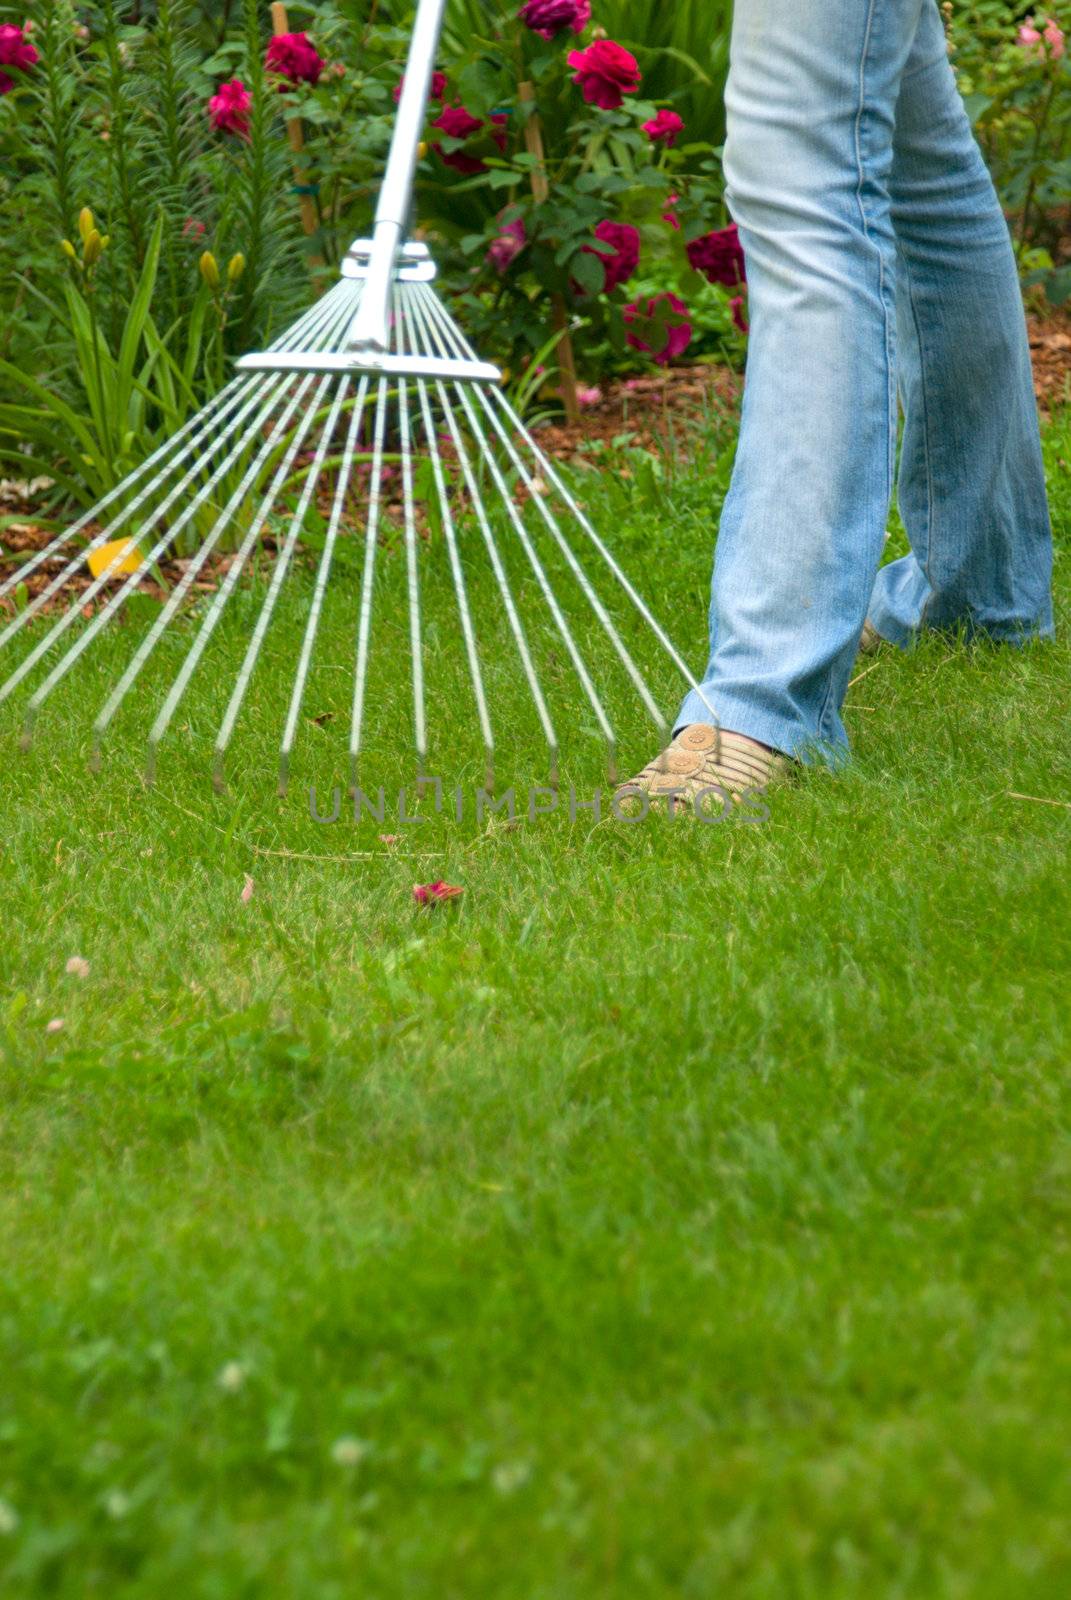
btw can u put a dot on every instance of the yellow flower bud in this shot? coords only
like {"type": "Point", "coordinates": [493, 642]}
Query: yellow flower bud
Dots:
{"type": "Point", "coordinates": [422, 149]}
{"type": "Point", "coordinates": [86, 223]}
{"type": "Point", "coordinates": [209, 269]}
{"type": "Point", "coordinates": [93, 248]}
{"type": "Point", "coordinates": [235, 267]}
{"type": "Point", "coordinates": [68, 250]}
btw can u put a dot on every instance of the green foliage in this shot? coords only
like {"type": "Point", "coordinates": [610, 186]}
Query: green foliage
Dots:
{"type": "Point", "coordinates": [1018, 94]}
{"type": "Point", "coordinates": [128, 396]}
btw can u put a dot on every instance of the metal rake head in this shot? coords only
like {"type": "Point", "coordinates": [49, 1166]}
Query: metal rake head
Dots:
{"type": "Point", "coordinates": [300, 419]}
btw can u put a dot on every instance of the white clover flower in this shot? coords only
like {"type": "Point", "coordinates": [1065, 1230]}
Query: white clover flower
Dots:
{"type": "Point", "coordinates": [509, 1476]}
{"type": "Point", "coordinates": [349, 1452]}
{"type": "Point", "coordinates": [231, 1377]}
{"type": "Point", "coordinates": [116, 1504]}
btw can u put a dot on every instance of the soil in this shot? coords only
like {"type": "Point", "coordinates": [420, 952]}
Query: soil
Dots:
{"type": "Point", "coordinates": [643, 408]}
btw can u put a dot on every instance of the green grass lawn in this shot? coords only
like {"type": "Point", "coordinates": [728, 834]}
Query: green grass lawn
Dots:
{"type": "Point", "coordinates": [683, 1212]}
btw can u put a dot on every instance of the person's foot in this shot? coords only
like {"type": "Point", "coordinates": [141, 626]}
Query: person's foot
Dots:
{"type": "Point", "coordinates": [871, 640]}
{"type": "Point", "coordinates": [702, 758]}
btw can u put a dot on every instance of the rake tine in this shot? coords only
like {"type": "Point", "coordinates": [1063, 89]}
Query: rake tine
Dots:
{"type": "Point", "coordinates": [189, 577]}
{"type": "Point", "coordinates": [450, 533]}
{"type": "Point", "coordinates": [590, 594]}
{"type": "Point", "coordinates": [364, 622]}
{"type": "Point", "coordinates": [108, 611]}
{"type": "Point", "coordinates": [512, 617]}
{"type": "Point", "coordinates": [73, 612]}
{"type": "Point", "coordinates": [226, 588]}
{"type": "Point", "coordinates": [320, 588]}
{"type": "Point", "coordinates": [246, 398]}
{"type": "Point", "coordinates": [548, 472]}
{"type": "Point", "coordinates": [278, 577]}
{"type": "Point", "coordinates": [231, 393]}
{"type": "Point", "coordinates": [531, 553]}
{"type": "Point", "coordinates": [412, 577]}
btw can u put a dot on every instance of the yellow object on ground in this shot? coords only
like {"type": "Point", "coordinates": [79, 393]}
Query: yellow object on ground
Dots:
{"type": "Point", "coordinates": [101, 558]}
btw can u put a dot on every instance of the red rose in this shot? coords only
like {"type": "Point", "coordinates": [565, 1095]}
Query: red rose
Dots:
{"type": "Point", "coordinates": [719, 257]}
{"type": "Point", "coordinates": [436, 92]}
{"type": "Point", "coordinates": [548, 18]}
{"type": "Point", "coordinates": [606, 72]}
{"type": "Point", "coordinates": [624, 252]}
{"type": "Point", "coordinates": [16, 51]}
{"type": "Point", "coordinates": [663, 128]}
{"type": "Point", "coordinates": [642, 322]}
{"type": "Point", "coordinates": [294, 57]}
{"type": "Point", "coordinates": [229, 108]}
{"type": "Point", "coordinates": [457, 123]}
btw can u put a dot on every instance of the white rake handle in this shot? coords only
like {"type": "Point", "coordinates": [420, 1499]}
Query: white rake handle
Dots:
{"type": "Point", "coordinates": [370, 330]}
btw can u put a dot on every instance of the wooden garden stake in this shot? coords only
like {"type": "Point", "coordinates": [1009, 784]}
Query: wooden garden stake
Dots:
{"type": "Point", "coordinates": [296, 134]}
{"type": "Point", "coordinates": [533, 141]}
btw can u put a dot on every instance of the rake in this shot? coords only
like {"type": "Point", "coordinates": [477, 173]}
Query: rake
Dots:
{"type": "Point", "coordinates": [379, 351]}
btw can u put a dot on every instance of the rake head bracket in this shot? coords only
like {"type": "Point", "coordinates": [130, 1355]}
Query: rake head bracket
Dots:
{"type": "Point", "coordinates": [414, 262]}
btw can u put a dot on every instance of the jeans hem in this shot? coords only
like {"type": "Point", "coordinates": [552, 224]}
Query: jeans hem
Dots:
{"type": "Point", "coordinates": [786, 736]}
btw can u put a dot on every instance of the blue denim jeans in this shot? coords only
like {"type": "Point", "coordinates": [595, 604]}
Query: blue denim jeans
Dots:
{"type": "Point", "coordinates": [878, 261]}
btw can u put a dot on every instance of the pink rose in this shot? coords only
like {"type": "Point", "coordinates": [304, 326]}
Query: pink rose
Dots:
{"type": "Point", "coordinates": [718, 256]}
{"type": "Point", "coordinates": [548, 18]}
{"type": "Point", "coordinates": [457, 123]}
{"type": "Point", "coordinates": [229, 108]}
{"type": "Point", "coordinates": [670, 213]}
{"type": "Point", "coordinates": [663, 128]}
{"type": "Point", "coordinates": [606, 72]}
{"type": "Point", "coordinates": [589, 396]}
{"type": "Point", "coordinates": [6, 83]}
{"type": "Point", "coordinates": [15, 50]}
{"type": "Point", "coordinates": [1038, 44]}
{"type": "Point", "coordinates": [294, 57]}
{"type": "Point", "coordinates": [676, 329]}
{"type": "Point", "coordinates": [624, 252]}
{"type": "Point", "coordinates": [436, 92]}
{"type": "Point", "coordinates": [508, 246]}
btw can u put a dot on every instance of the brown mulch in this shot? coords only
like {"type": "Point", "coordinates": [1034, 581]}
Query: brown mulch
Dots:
{"type": "Point", "coordinates": [642, 410]}
{"type": "Point", "coordinates": [1050, 352]}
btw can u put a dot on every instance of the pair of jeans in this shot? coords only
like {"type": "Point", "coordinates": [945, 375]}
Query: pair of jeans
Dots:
{"type": "Point", "coordinates": [878, 261]}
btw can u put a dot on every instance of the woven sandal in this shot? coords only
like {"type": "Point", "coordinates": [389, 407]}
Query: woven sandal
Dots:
{"type": "Point", "coordinates": [871, 640]}
{"type": "Point", "coordinates": [704, 758]}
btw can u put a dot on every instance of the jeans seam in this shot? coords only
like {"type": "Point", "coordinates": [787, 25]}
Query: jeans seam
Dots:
{"type": "Point", "coordinates": [925, 565]}
{"type": "Point", "coordinates": [827, 713]}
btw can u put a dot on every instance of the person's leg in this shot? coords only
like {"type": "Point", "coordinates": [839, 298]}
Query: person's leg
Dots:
{"type": "Point", "coordinates": [811, 102]}
{"type": "Point", "coordinates": [972, 483]}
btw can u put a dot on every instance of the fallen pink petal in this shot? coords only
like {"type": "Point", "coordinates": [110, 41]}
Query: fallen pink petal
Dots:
{"type": "Point", "coordinates": [77, 967]}
{"type": "Point", "coordinates": [56, 1025]}
{"type": "Point", "coordinates": [248, 889]}
{"type": "Point", "coordinates": [430, 894]}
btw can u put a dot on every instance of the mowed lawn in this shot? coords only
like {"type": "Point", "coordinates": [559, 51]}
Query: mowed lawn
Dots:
{"type": "Point", "coordinates": [681, 1212]}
